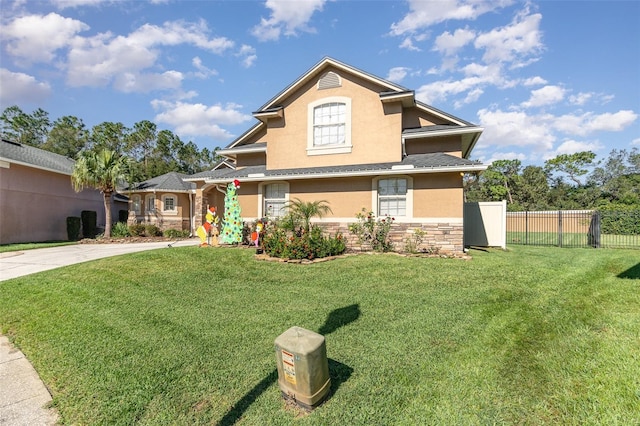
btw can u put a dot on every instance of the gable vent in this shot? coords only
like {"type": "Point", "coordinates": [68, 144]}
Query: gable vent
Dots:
{"type": "Point", "coordinates": [329, 80]}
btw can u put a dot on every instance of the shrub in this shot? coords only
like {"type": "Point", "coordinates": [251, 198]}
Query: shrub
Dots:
{"type": "Point", "coordinates": [137, 230]}
{"type": "Point", "coordinates": [176, 233]}
{"type": "Point", "coordinates": [89, 223]}
{"type": "Point", "coordinates": [277, 242]}
{"type": "Point", "coordinates": [620, 219]}
{"type": "Point", "coordinates": [372, 232]}
{"type": "Point", "coordinates": [120, 230]}
{"type": "Point", "coordinates": [73, 228]}
{"type": "Point", "coordinates": [152, 231]}
{"type": "Point", "coordinates": [413, 242]}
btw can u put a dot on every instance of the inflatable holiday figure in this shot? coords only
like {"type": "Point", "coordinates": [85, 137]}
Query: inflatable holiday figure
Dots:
{"type": "Point", "coordinates": [232, 229]}
{"type": "Point", "coordinates": [255, 235]}
{"type": "Point", "coordinates": [209, 228]}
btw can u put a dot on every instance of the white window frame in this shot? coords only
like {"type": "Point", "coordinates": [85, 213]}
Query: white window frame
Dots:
{"type": "Point", "coordinates": [173, 211]}
{"type": "Point", "coordinates": [262, 198]}
{"type": "Point", "coordinates": [337, 148]}
{"type": "Point", "coordinates": [150, 203]}
{"type": "Point", "coordinates": [136, 204]}
{"type": "Point", "coordinates": [375, 198]}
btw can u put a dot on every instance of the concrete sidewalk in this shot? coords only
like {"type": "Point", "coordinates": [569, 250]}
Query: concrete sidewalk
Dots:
{"type": "Point", "coordinates": [23, 396]}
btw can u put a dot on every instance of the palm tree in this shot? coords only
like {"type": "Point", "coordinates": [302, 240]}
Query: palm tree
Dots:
{"type": "Point", "coordinates": [103, 171]}
{"type": "Point", "coordinates": [305, 210]}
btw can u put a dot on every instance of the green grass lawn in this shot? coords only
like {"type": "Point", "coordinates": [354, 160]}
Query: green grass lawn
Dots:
{"type": "Point", "coordinates": [572, 239]}
{"type": "Point", "coordinates": [534, 335]}
{"type": "Point", "coordinates": [30, 246]}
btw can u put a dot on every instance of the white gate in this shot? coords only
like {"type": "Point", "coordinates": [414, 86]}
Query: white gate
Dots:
{"type": "Point", "coordinates": [485, 224]}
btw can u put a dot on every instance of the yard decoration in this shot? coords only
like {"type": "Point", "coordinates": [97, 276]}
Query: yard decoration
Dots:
{"type": "Point", "coordinates": [209, 229]}
{"type": "Point", "coordinates": [232, 229]}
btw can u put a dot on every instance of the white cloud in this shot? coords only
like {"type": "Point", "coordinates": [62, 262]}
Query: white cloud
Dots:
{"type": "Point", "coordinates": [534, 81]}
{"type": "Point", "coordinates": [547, 95]}
{"type": "Point", "coordinates": [515, 43]}
{"type": "Point", "coordinates": [397, 74]}
{"type": "Point", "coordinates": [37, 38]}
{"type": "Point", "coordinates": [202, 71]}
{"type": "Point", "coordinates": [515, 128]}
{"type": "Point", "coordinates": [636, 141]}
{"type": "Point", "coordinates": [571, 146]}
{"type": "Point", "coordinates": [191, 120]}
{"type": "Point", "coordinates": [449, 44]}
{"type": "Point", "coordinates": [248, 55]}
{"type": "Point", "coordinates": [505, 156]}
{"type": "Point", "coordinates": [287, 18]}
{"type": "Point", "coordinates": [99, 60]}
{"type": "Point", "coordinates": [423, 14]}
{"type": "Point", "coordinates": [590, 122]}
{"type": "Point", "coordinates": [145, 83]}
{"type": "Point", "coordinates": [64, 4]}
{"type": "Point", "coordinates": [19, 87]}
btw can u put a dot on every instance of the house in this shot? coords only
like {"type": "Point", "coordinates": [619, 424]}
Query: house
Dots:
{"type": "Point", "coordinates": [36, 195]}
{"type": "Point", "coordinates": [357, 141]}
{"type": "Point", "coordinates": [167, 201]}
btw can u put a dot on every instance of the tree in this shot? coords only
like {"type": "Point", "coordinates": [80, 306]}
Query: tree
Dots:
{"type": "Point", "coordinates": [141, 143]}
{"type": "Point", "coordinates": [109, 136]}
{"type": "Point", "coordinates": [102, 170]}
{"type": "Point", "coordinates": [303, 211]}
{"type": "Point", "coordinates": [28, 129]}
{"type": "Point", "coordinates": [533, 192]}
{"type": "Point", "coordinates": [67, 137]}
{"type": "Point", "coordinates": [573, 165]}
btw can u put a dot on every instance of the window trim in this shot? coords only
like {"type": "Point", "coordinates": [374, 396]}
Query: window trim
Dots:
{"type": "Point", "coordinates": [262, 198]}
{"type": "Point", "coordinates": [175, 204]}
{"type": "Point", "coordinates": [341, 148]}
{"type": "Point", "coordinates": [409, 196]}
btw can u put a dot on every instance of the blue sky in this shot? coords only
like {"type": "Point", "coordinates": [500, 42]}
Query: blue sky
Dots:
{"type": "Point", "coordinates": [543, 78]}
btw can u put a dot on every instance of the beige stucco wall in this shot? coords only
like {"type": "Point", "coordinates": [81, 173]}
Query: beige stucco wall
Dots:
{"type": "Point", "coordinates": [35, 204]}
{"type": "Point", "coordinates": [451, 145]}
{"type": "Point", "coordinates": [375, 133]}
{"type": "Point", "coordinates": [165, 220]}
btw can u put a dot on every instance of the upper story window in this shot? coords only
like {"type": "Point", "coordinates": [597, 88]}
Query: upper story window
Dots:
{"type": "Point", "coordinates": [392, 197]}
{"type": "Point", "coordinates": [136, 204]}
{"type": "Point", "coordinates": [329, 126]}
{"type": "Point", "coordinates": [274, 199]}
{"type": "Point", "coordinates": [169, 203]}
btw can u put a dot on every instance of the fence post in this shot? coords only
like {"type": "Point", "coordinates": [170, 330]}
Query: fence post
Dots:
{"type": "Point", "coordinates": [526, 228]}
{"type": "Point", "coordinates": [594, 230]}
{"type": "Point", "coordinates": [559, 228]}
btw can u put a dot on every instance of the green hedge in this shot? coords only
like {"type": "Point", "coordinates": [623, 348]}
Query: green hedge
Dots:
{"type": "Point", "coordinates": [89, 223]}
{"type": "Point", "coordinates": [73, 228]}
{"type": "Point", "coordinates": [620, 220]}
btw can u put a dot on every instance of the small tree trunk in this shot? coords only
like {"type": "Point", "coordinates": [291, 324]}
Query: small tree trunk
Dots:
{"type": "Point", "coordinates": [107, 214]}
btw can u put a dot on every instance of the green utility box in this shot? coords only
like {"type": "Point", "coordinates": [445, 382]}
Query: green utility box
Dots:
{"type": "Point", "coordinates": [303, 368]}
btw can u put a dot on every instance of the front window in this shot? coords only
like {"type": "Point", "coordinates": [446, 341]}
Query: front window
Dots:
{"type": "Point", "coordinates": [169, 203]}
{"type": "Point", "coordinates": [275, 195]}
{"type": "Point", "coordinates": [151, 204]}
{"type": "Point", "coordinates": [329, 124]}
{"type": "Point", "coordinates": [136, 204]}
{"type": "Point", "coordinates": [392, 197]}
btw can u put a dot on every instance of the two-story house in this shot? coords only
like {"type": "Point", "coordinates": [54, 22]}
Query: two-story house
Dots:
{"type": "Point", "coordinates": [357, 141]}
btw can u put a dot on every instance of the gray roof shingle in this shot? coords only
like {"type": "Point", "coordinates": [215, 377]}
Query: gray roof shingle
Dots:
{"type": "Point", "coordinates": [420, 162]}
{"type": "Point", "coordinates": [35, 157]}
{"type": "Point", "coordinates": [171, 181]}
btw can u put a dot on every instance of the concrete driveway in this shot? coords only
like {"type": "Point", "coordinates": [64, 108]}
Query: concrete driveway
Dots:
{"type": "Point", "coordinates": [18, 263]}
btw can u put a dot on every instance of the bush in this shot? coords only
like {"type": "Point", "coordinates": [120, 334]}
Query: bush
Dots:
{"type": "Point", "coordinates": [120, 230]}
{"type": "Point", "coordinates": [73, 228]}
{"type": "Point", "coordinates": [137, 230]}
{"type": "Point", "coordinates": [152, 231]}
{"type": "Point", "coordinates": [176, 233]}
{"type": "Point", "coordinates": [89, 223]}
{"type": "Point", "coordinates": [619, 219]}
{"type": "Point", "coordinates": [373, 233]}
{"type": "Point", "coordinates": [277, 242]}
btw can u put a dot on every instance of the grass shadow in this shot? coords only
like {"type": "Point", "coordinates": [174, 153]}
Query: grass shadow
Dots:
{"type": "Point", "coordinates": [632, 273]}
{"type": "Point", "coordinates": [338, 372]}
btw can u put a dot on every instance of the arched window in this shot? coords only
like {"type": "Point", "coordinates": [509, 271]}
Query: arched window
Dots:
{"type": "Point", "coordinates": [150, 202]}
{"type": "Point", "coordinates": [329, 126]}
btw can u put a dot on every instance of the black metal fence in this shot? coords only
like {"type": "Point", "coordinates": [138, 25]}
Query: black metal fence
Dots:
{"type": "Point", "coordinates": [575, 228]}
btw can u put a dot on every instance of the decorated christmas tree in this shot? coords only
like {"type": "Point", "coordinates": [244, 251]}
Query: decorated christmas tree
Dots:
{"type": "Point", "coordinates": [232, 229]}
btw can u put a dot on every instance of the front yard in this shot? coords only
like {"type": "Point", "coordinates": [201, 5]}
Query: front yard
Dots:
{"type": "Point", "coordinates": [186, 336]}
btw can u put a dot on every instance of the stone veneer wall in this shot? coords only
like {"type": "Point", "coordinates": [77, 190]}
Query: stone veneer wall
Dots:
{"type": "Point", "coordinates": [447, 237]}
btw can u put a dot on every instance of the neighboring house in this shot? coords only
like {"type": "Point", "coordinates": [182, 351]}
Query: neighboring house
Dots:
{"type": "Point", "coordinates": [36, 195]}
{"type": "Point", "coordinates": [357, 141]}
{"type": "Point", "coordinates": [166, 201]}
